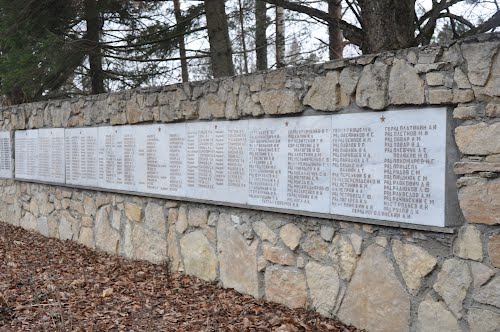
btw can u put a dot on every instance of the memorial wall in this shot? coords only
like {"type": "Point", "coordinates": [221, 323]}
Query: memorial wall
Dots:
{"type": "Point", "coordinates": [366, 189]}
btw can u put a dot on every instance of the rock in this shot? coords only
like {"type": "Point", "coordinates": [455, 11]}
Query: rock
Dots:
{"type": "Point", "coordinates": [372, 87]}
{"type": "Point", "coordinates": [262, 263]}
{"type": "Point", "coordinates": [278, 255]}
{"type": "Point", "coordinates": [494, 250]}
{"type": "Point", "coordinates": [492, 110]}
{"type": "Point", "coordinates": [324, 94]}
{"type": "Point", "coordinates": [211, 106]}
{"type": "Point", "coordinates": [452, 284]}
{"type": "Point", "coordinates": [106, 238]}
{"type": "Point", "coordinates": [468, 244]}
{"type": "Point", "coordinates": [133, 211]}
{"type": "Point", "coordinates": [154, 218]}
{"type": "Point", "coordinates": [483, 320]}
{"type": "Point", "coordinates": [479, 60]}
{"type": "Point", "coordinates": [42, 226]}
{"type": "Point", "coordinates": [343, 256]}
{"type": "Point", "coordinates": [375, 300]}
{"type": "Point", "coordinates": [461, 79]}
{"type": "Point", "coordinates": [301, 262]}
{"type": "Point", "coordinates": [480, 202]}
{"type": "Point", "coordinates": [28, 222]}
{"type": "Point", "coordinates": [212, 218]}
{"type": "Point", "coordinates": [405, 86]}
{"type": "Point", "coordinates": [173, 213]}
{"type": "Point", "coordinates": [87, 237]}
{"type": "Point", "coordinates": [182, 221]}
{"type": "Point", "coordinates": [263, 232]}
{"type": "Point", "coordinates": [433, 316]}
{"type": "Point", "coordinates": [324, 285]}
{"type": "Point", "coordinates": [489, 294]}
{"type": "Point", "coordinates": [480, 274]}
{"type": "Point", "coordinates": [465, 112]}
{"type": "Point", "coordinates": [326, 233]}
{"type": "Point", "coordinates": [286, 286]}
{"type": "Point", "coordinates": [199, 256]}
{"type": "Point", "coordinates": [434, 78]}
{"type": "Point", "coordinates": [478, 139]}
{"type": "Point", "coordinates": [414, 264]}
{"type": "Point", "coordinates": [280, 102]}
{"type": "Point", "coordinates": [237, 259]}
{"type": "Point", "coordinates": [348, 79]}
{"type": "Point", "coordinates": [315, 246]}
{"type": "Point", "coordinates": [290, 234]}
{"type": "Point", "coordinates": [463, 96]}
{"type": "Point", "coordinates": [89, 206]}
{"type": "Point", "coordinates": [381, 241]}
{"type": "Point", "coordinates": [475, 167]}
{"type": "Point", "coordinates": [356, 241]}
{"type": "Point", "coordinates": [148, 244]}
{"type": "Point", "coordinates": [69, 227]}
{"type": "Point", "coordinates": [173, 251]}
{"type": "Point", "coordinates": [440, 96]}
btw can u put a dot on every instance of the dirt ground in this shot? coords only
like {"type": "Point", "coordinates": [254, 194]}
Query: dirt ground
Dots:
{"type": "Point", "coordinates": [51, 285]}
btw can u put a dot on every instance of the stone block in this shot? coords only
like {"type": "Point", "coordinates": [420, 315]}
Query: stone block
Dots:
{"type": "Point", "coordinates": [286, 286]}
{"type": "Point", "coordinates": [280, 102]}
{"type": "Point", "coordinates": [324, 94]}
{"type": "Point", "coordinates": [199, 256]}
{"type": "Point", "coordinates": [440, 96]}
{"type": "Point", "coordinates": [372, 87]}
{"type": "Point", "coordinates": [343, 256]}
{"type": "Point", "coordinates": [479, 60]}
{"type": "Point", "coordinates": [154, 218]}
{"type": "Point", "coordinates": [278, 255]}
{"type": "Point", "coordinates": [106, 238]}
{"type": "Point", "coordinates": [478, 139]}
{"type": "Point", "coordinates": [324, 285]}
{"type": "Point", "coordinates": [461, 80]}
{"type": "Point", "coordinates": [148, 244]}
{"type": "Point", "coordinates": [315, 246]}
{"type": "Point", "coordinates": [468, 244]}
{"type": "Point", "coordinates": [465, 112]}
{"type": "Point", "coordinates": [482, 320]}
{"type": "Point", "coordinates": [133, 212]}
{"type": "Point", "coordinates": [211, 106]}
{"type": "Point", "coordinates": [263, 232]}
{"type": "Point", "coordinates": [480, 274]}
{"type": "Point", "coordinates": [291, 234]}
{"type": "Point", "coordinates": [494, 250]}
{"type": "Point", "coordinates": [493, 110]}
{"type": "Point", "coordinates": [433, 316]}
{"type": "Point", "coordinates": [197, 216]}
{"type": "Point", "coordinates": [182, 220]}
{"type": "Point", "coordinates": [326, 233]}
{"type": "Point", "coordinates": [489, 293]}
{"type": "Point", "coordinates": [480, 202]}
{"type": "Point", "coordinates": [435, 78]}
{"type": "Point", "coordinates": [405, 86]}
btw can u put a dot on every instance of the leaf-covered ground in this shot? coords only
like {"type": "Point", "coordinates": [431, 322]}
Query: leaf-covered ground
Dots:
{"type": "Point", "coordinates": [51, 285]}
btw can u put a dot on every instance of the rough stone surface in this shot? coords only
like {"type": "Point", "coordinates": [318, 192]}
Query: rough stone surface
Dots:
{"type": "Point", "coordinates": [286, 286]}
{"type": "Point", "coordinates": [280, 102]}
{"type": "Point", "coordinates": [372, 87]}
{"type": "Point", "coordinates": [237, 259]}
{"type": "Point", "coordinates": [133, 211]}
{"type": "Point", "coordinates": [440, 96]}
{"type": "Point", "coordinates": [375, 300]}
{"type": "Point", "coordinates": [493, 110]}
{"type": "Point", "coordinates": [182, 222]}
{"type": "Point", "coordinates": [326, 233]}
{"type": "Point", "coordinates": [468, 244]}
{"type": "Point", "coordinates": [154, 218]}
{"type": "Point", "coordinates": [356, 241]}
{"type": "Point", "coordinates": [315, 246]}
{"type": "Point", "coordinates": [106, 238]}
{"type": "Point", "coordinates": [452, 284]}
{"type": "Point", "coordinates": [479, 61]}
{"type": "Point", "coordinates": [263, 232]}
{"type": "Point", "coordinates": [197, 216]}
{"type": "Point", "coordinates": [480, 274]}
{"type": "Point", "coordinates": [414, 264]}
{"type": "Point", "coordinates": [278, 255]}
{"type": "Point", "coordinates": [324, 285]}
{"type": "Point", "coordinates": [405, 86]}
{"type": "Point", "coordinates": [494, 250]}
{"type": "Point", "coordinates": [480, 202]}
{"type": "Point", "coordinates": [148, 244]}
{"type": "Point", "coordinates": [475, 139]}
{"type": "Point", "coordinates": [290, 234]}
{"type": "Point", "coordinates": [343, 256]}
{"type": "Point", "coordinates": [433, 316]}
{"type": "Point", "coordinates": [465, 112]}
{"type": "Point", "coordinates": [483, 320]}
{"type": "Point", "coordinates": [199, 256]}
{"type": "Point", "coordinates": [489, 293]}
{"type": "Point", "coordinates": [324, 94]}
{"type": "Point", "coordinates": [475, 167]}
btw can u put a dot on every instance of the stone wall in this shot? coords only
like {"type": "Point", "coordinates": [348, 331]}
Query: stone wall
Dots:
{"type": "Point", "coordinates": [375, 277]}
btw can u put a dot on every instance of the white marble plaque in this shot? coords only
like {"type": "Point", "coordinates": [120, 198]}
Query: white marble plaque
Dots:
{"type": "Point", "coordinates": [110, 157]}
{"type": "Point", "coordinates": [81, 156]}
{"type": "Point", "coordinates": [289, 163]}
{"type": "Point", "coordinates": [390, 166]}
{"type": "Point", "coordinates": [51, 158]}
{"type": "Point", "coordinates": [5, 156]}
{"type": "Point", "coordinates": [26, 154]}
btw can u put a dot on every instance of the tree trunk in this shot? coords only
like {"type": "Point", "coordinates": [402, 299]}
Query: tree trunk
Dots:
{"type": "Point", "coordinates": [280, 37]}
{"type": "Point", "coordinates": [95, 54]}
{"type": "Point", "coordinates": [218, 36]}
{"type": "Point", "coordinates": [336, 42]}
{"type": "Point", "coordinates": [387, 24]}
{"type": "Point", "coordinates": [182, 45]}
{"type": "Point", "coordinates": [243, 43]}
{"type": "Point", "coordinates": [260, 34]}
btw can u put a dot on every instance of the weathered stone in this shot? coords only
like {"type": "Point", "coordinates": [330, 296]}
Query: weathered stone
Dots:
{"type": "Point", "coordinates": [324, 285]}
{"type": "Point", "coordinates": [489, 294]}
{"type": "Point", "coordinates": [42, 226]}
{"type": "Point", "coordinates": [372, 87]}
{"type": "Point", "coordinates": [479, 60]}
{"type": "Point", "coordinates": [480, 202]}
{"type": "Point", "coordinates": [106, 238]}
{"type": "Point", "coordinates": [480, 274]}
{"type": "Point", "coordinates": [87, 237]}
{"type": "Point", "coordinates": [278, 255]}
{"type": "Point", "coordinates": [348, 79]}
{"type": "Point", "coordinates": [291, 234]}
{"type": "Point", "coordinates": [381, 241]}
{"type": "Point", "coordinates": [116, 219]}
{"type": "Point", "coordinates": [343, 256]}
{"type": "Point", "coordinates": [68, 226]}
{"type": "Point", "coordinates": [199, 256]}
{"type": "Point", "coordinates": [324, 94]}
{"type": "Point", "coordinates": [211, 106]}
{"type": "Point", "coordinates": [465, 112]}
{"type": "Point", "coordinates": [433, 316]}
{"type": "Point", "coordinates": [148, 244]}
{"type": "Point", "coordinates": [154, 218]}
{"type": "Point", "coordinates": [326, 232]}
{"type": "Point", "coordinates": [475, 167]}
{"type": "Point", "coordinates": [102, 199]}
{"type": "Point", "coordinates": [197, 216]}
{"type": "Point", "coordinates": [463, 96]}
{"type": "Point", "coordinates": [375, 300]}
{"type": "Point", "coordinates": [237, 260]}
{"type": "Point", "coordinates": [452, 284]}
{"type": "Point", "coordinates": [483, 320]}
{"type": "Point", "coordinates": [435, 78]}
{"type": "Point", "coordinates": [493, 110]}
{"type": "Point", "coordinates": [494, 158]}
{"type": "Point", "coordinates": [440, 96]}
{"type": "Point", "coordinates": [262, 263]}
{"type": "Point", "coordinates": [280, 102]}
{"type": "Point", "coordinates": [89, 206]}
{"type": "Point", "coordinates": [356, 241]}
{"type": "Point", "coordinates": [405, 86]}
{"type": "Point", "coordinates": [28, 222]}
{"type": "Point", "coordinates": [461, 79]}
{"type": "Point", "coordinates": [315, 246]}
{"type": "Point", "coordinates": [468, 244]}
{"type": "Point", "coordinates": [173, 213]}
{"type": "Point", "coordinates": [414, 264]}
{"type": "Point", "coordinates": [263, 232]}
{"type": "Point", "coordinates": [478, 139]}
{"type": "Point", "coordinates": [286, 286]}
{"type": "Point", "coordinates": [212, 218]}
{"type": "Point", "coordinates": [182, 220]}
{"type": "Point", "coordinates": [494, 250]}
{"type": "Point", "coordinates": [133, 212]}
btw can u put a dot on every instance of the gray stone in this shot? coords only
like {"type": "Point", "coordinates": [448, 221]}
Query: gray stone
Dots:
{"type": "Point", "coordinates": [440, 96]}
{"type": "Point", "coordinates": [435, 78]}
{"type": "Point", "coordinates": [478, 139]}
{"type": "Point", "coordinates": [356, 241]}
{"type": "Point", "coordinates": [349, 78]}
{"type": "Point", "coordinates": [479, 60]}
{"type": "Point", "coordinates": [237, 259]}
{"type": "Point", "coordinates": [433, 316]}
{"type": "Point", "coordinates": [133, 211]}
{"type": "Point", "coordinates": [286, 286]}
{"type": "Point", "coordinates": [343, 256]}
{"type": "Point", "coordinates": [489, 293]}
{"type": "Point", "coordinates": [494, 250]}
{"type": "Point", "coordinates": [199, 256]}
{"type": "Point", "coordinates": [87, 237]}
{"type": "Point", "coordinates": [182, 222]}
{"type": "Point", "coordinates": [68, 226]}
{"type": "Point", "coordinates": [326, 233]}
{"type": "Point", "coordinates": [28, 222]}
{"type": "Point", "coordinates": [414, 264]}
{"type": "Point", "coordinates": [461, 79]}
{"type": "Point", "coordinates": [263, 232]}
{"type": "Point", "coordinates": [278, 255]}
{"type": "Point", "coordinates": [493, 111]}
{"type": "Point", "coordinates": [405, 86]}
{"type": "Point", "coordinates": [483, 320]}
{"type": "Point", "coordinates": [315, 246]}
{"type": "Point", "coordinates": [468, 244]}
{"type": "Point", "coordinates": [381, 241]}
{"type": "Point", "coordinates": [375, 300]}
{"type": "Point", "coordinates": [211, 106]}
{"type": "Point", "coordinates": [372, 87]}
{"type": "Point", "coordinates": [465, 112]}
{"type": "Point", "coordinates": [197, 216]}
{"type": "Point", "coordinates": [154, 218]}
{"type": "Point", "coordinates": [290, 234]}
{"type": "Point", "coordinates": [106, 238]}
{"type": "Point", "coordinates": [452, 284]}
{"type": "Point", "coordinates": [463, 96]}
{"type": "Point", "coordinates": [324, 285]}
{"type": "Point", "coordinates": [148, 244]}
{"type": "Point", "coordinates": [280, 102]}
{"type": "Point", "coordinates": [480, 202]}
{"type": "Point", "coordinates": [480, 274]}
{"type": "Point", "coordinates": [324, 94]}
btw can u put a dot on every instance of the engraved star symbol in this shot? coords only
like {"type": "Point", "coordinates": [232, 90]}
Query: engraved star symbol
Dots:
{"type": "Point", "coordinates": [286, 123]}
{"type": "Point", "coordinates": [382, 119]}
